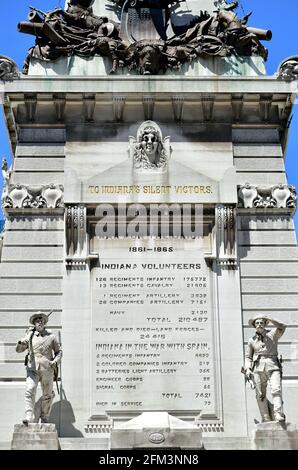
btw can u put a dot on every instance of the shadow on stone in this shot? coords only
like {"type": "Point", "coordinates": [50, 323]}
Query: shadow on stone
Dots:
{"type": "Point", "coordinates": [64, 410]}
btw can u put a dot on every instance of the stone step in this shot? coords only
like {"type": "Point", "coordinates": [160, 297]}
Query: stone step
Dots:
{"type": "Point", "coordinates": [227, 443]}
{"type": "Point", "coordinates": [88, 443]}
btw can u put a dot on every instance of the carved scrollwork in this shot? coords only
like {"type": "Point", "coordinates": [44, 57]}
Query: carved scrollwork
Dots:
{"type": "Point", "coordinates": [279, 196]}
{"type": "Point", "coordinates": [226, 255]}
{"type": "Point", "coordinates": [8, 69]}
{"type": "Point", "coordinates": [18, 196]}
{"type": "Point", "coordinates": [288, 69]}
{"type": "Point", "coordinates": [76, 236]}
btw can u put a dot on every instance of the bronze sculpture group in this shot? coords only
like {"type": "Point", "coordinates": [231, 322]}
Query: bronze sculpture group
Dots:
{"type": "Point", "coordinates": [78, 31]}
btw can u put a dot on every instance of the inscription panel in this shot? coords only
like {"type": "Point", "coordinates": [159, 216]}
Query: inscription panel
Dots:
{"type": "Point", "coordinates": [154, 328]}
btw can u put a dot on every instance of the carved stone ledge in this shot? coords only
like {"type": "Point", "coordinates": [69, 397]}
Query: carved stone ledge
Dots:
{"type": "Point", "coordinates": [211, 427]}
{"type": "Point", "coordinates": [279, 196]}
{"type": "Point", "coordinates": [17, 196]}
{"type": "Point", "coordinates": [72, 263]}
{"type": "Point", "coordinates": [8, 69]}
{"type": "Point", "coordinates": [227, 263]}
{"type": "Point", "coordinates": [288, 69]}
{"type": "Point", "coordinates": [98, 428]}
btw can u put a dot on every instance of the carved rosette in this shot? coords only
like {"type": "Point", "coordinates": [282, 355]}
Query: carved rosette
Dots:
{"type": "Point", "coordinates": [18, 196]}
{"type": "Point", "coordinates": [8, 69]}
{"type": "Point", "coordinates": [279, 196]}
{"type": "Point", "coordinates": [226, 249]}
{"type": "Point", "coordinates": [288, 69]}
{"type": "Point", "coordinates": [76, 236]}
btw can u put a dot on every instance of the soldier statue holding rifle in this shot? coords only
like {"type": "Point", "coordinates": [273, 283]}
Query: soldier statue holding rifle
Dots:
{"type": "Point", "coordinates": [43, 356]}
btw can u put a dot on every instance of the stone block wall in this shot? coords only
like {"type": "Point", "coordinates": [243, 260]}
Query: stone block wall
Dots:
{"type": "Point", "coordinates": [268, 254]}
{"type": "Point", "coordinates": [31, 268]}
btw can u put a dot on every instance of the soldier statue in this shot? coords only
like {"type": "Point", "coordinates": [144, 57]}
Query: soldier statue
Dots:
{"type": "Point", "coordinates": [262, 365]}
{"type": "Point", "coordinates": [42, 359]}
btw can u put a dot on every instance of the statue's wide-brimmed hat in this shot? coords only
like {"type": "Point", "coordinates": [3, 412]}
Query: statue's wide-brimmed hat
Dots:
{"type": "Point", "coordinates": [251, 321]}
{"type": "Point", "coordinates": [38, 315]}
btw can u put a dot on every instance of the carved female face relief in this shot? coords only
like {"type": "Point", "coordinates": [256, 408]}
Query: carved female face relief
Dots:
{"type": "Point", "coordinates": [150, 151]}
{"type": "Point", "coordinates": [150, 144]}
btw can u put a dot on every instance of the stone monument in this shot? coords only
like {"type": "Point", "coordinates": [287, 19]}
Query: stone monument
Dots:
{"type": "Point", "coordinates": [148, 207]}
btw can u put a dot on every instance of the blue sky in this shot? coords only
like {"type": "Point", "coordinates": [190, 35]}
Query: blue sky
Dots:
{"type": "Point", "coordinates": [280, 17]}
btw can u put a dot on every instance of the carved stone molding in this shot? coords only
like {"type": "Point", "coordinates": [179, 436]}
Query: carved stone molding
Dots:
{"type": "Point", "coordinates": [178, 104]}
{"type": "Point", "coordinates": [279, 196]}
{"type": "Point", "coordinates": [8, 69]}
{"type": "Point", "coordinates": [237, 107]}
{"type": "Point", "coordinates": [89, 107]}
{"type": "Point", "coordinates": [148, 106]}
{"type": "Point", "coordinates": [17, 196]}
{"type": "Point", "coordinates": [30, 101]}
{"type": "Point", "coordinates": [225, 225]}
{"type": "Point", "coordinates": [265, 106]}
{"type": "Point", "coordinates": [288, 69]}
{"type": "Point", "coordinates": [76, 236]}
{"type": "Point", "coordinates": [98, 428]}
{"type": "Point", "coordinates": [59, 104]}
{"type": "Point", "coordinates": [211, 427]}
{"type": "Point", "coordinates": [207, 108]}
{"type": "Point", "coordinates": [118, 107]}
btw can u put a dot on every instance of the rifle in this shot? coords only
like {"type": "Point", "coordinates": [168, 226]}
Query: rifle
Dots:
{"type": "Point", "coordinates": [279, 362]}
{"type": "Point", "coordinates": [56, 369]}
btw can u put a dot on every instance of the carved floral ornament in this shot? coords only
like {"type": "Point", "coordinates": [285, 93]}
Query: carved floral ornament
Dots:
{"type": "Point", "coordinates": [288, 69]}
{"type": "Point", "coordinates": [32, 197]}
{"type": "Point", "coordinates": [8, 69]}
{"type": "Point", "coordinates": [278, 196]}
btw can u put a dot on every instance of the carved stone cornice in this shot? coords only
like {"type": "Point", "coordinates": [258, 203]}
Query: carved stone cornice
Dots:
{"type": "Point", "coordinates": [25, 197]}
{"type": "Point", "coordinates": [279, 196]}
{"type": "Point", "coordinates": [8, 69]}
{"type": "Point", "coordinates": [288, 69]}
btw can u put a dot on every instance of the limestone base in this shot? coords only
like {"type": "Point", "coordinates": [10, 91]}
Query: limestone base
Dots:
{"type": "Point", "coordinates": [35, 437]}
{"type": "Point", "coordinates": [156, 430]}
{"type": "Point", "coordinates": [275, 436]}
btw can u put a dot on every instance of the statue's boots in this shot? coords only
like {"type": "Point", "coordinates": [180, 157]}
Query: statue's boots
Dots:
{"type": "Point", "coordinates": [28, 418]}
{"type": "Point", "coordinates": [46, 406]}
